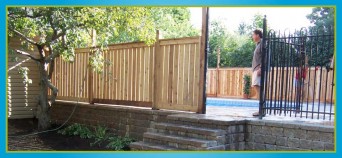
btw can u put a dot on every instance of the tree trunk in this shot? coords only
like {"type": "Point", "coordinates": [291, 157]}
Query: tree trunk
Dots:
{"type": "Point", "coordinates": [43, 113]}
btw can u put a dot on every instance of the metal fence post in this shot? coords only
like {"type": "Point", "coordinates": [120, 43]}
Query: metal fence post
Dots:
{"type": "Point", "coordinates": [263, 52]}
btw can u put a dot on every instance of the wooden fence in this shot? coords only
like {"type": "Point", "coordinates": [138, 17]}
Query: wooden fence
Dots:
{"type": "Point", "coordinates": [133, 70]}
{"type": "Point", "coordinates": [178, 74]}
{"type": "Point", "coordinates": [228, 82]}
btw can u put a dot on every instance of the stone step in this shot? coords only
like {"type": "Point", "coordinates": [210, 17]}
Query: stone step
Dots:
{"type": "Point", "coordinates": [189, 131]}
{"type": "Point", "coordinates": [220, 147]}
{"type": "Point", "coordinates": [179, 142]}
{"type": "Point", "coordinates": [146, 146]}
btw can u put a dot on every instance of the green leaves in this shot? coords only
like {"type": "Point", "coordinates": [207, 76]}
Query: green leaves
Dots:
{"type": "Point", "coordinates": [322, 18]}
{"type": "Point", "coordinates": [66, 28]}
{"type": "Point", "coordinates": [118, 143]}
{"type": "Point", "coordinates": [247, 84]}
{"type": "Point", "coordinates": [23, 71]}
{"type": "Point", "coordinates": [77, 130]}
{"type": "Point", "coordinates": [236, 50]}
{"type": "Point", "coordinates": [99, 134]}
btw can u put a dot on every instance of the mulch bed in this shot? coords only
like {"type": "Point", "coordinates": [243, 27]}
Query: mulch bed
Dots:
{"type": "Point", "coordinates": [44, 141]}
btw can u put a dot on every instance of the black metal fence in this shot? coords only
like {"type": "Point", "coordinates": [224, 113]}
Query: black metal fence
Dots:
{"type": "Point", "coordinates": [298, 74]}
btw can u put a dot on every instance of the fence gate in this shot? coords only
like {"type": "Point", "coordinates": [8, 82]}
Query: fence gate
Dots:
{"type": "Point", "coordinates": [298, 74]}
{"type": "Point", "coordinates": [177, 74]}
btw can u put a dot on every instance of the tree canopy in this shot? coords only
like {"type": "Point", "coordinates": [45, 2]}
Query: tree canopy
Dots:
{"type": "Point", "coordinates": [322, 18]}
{"type": "Point", "coordinates": [172, 22]}
{"type": "Point", "coordinates": [57, 31]}
{"type": "Point", "coordinates": [236, 48]}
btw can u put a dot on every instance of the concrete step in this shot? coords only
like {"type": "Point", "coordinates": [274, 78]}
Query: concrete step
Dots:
{"type": "Point", "coordinates": [189, 131]}
{"type": "Point", "coordinates": [146, 146]}
{"type": "Point", "coordinates": [179, 142]}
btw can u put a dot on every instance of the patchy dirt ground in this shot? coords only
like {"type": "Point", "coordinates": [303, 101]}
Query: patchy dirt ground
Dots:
{"type": "Point", "coordinates": [45, 141]}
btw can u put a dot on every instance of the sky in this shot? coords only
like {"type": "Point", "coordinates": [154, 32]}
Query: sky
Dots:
{"type": "Point", "coordinates": [278, 18]}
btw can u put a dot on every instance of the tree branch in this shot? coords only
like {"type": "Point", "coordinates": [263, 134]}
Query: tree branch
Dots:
{"type": "Point", "coordinates": [23, 36]}
{"type": "Point", "coordinates": [51, 68]}
{"type": "Point", "coordinates": [62, 33]}
{"type": "Point", "coordinates": [13, 15]}
{"type": "Point", "coordinates": [26, 54]}
{"type": "Point", "coordinates": [52, 56]}
{"type": "Point", "coordinates": [56, 36]}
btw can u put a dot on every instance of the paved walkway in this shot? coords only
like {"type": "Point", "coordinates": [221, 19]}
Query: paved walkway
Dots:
{"type": "Point", "coordinates": [242, 108]}
{"type": "Point", "coordinates": [222, 112]}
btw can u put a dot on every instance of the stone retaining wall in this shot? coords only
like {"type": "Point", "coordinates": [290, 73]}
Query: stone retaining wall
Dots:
{"type": "Point", "coordinates": [130, 121]}
{"type": "Point", "coordinates": [241, 134]}
{"type": "Point", "coordinates": [272, 135]}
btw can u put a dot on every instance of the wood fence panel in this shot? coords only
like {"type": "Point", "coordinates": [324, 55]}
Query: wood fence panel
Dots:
{"type": "Point", "coordinates": [71, 78]}
{"type": "Point", "coordinates": [177, 74]}
{"type": "Point", "coordinates": [166, 74]}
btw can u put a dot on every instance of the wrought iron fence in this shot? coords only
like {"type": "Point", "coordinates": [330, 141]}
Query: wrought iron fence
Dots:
{"type": "Point", "coordinates": [298, 74]}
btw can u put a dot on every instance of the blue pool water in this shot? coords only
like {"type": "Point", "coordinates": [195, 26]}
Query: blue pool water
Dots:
{"type": "Point", "coordinates": [232, 102]}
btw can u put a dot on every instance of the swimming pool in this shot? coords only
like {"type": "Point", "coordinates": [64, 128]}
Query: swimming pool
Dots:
{"type": "Point", "coordinates": [252, 103]}
{"type": "Point", "coordinates": [232, 102]}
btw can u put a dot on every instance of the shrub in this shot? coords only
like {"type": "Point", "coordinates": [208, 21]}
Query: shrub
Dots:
{"type": "Point", "coordinates": [118, 143]}
{"type": "Point", "coordinates": [77, 130]}
{"type": "Point", "coordinates": [100, 136]}
{"type": "Point", "coordinates": [247, 84]}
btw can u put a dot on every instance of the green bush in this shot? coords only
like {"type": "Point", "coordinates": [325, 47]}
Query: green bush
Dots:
{"type": "Point", "coordinates": [99, 134]}
{"type": "Point", "coordinates": [118, 143]}
{"type": "Point", "coordinates": [247, 84]}
{"type": "Point", "coordinates": [77, 130]}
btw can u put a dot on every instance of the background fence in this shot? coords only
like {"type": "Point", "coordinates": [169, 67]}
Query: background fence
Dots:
{"type": "Point", "coordinates": [228, 82]}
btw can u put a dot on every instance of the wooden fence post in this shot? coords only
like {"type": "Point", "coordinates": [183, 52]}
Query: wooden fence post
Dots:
{"type": "Point", "coordinates": [90, 84]}
{"type": "Point", "coordinates": [203, 63]}
{"type": "Point", "coordinates": [156, 51]}
{"type": "Point", "coordinates": [90, 70]}
{"type": "Point", "coordinates": [217, 70]}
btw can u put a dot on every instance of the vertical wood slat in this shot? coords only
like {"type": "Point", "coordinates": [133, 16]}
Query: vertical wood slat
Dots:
{"type": "Point", "coordinates": [90, 83]}
{"type": "Point", "coordinates": [117, 73]}
{"type": "Point", "coordinates": [186, 75]}
{"type": "Point", "coordinates": [170, 73]}
{"type": "Point", "coordinates": [180, 88]}
{"type": "Point", "coordinates": [146, 72]}
{"type": "Point", "coordinates": [129, 77]}
{"type": "Point", "coordinates": [175, 76]}
{"type": "Point", "coordinates": [196, 75]}
{"type": "Point", "coordinates": [134, 66]}
{"type": "Point", "coordinates": [151, 73]}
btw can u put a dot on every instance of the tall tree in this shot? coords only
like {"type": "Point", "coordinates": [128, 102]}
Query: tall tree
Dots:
{"type": "Point", "coordinates": [56, 31]}
{"type": "Point", "coordinates": [322, 18]}
{"type": "Point", "coordinates": [236, 48]}
{"type": "Point", "coordinates": [172, 22]}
